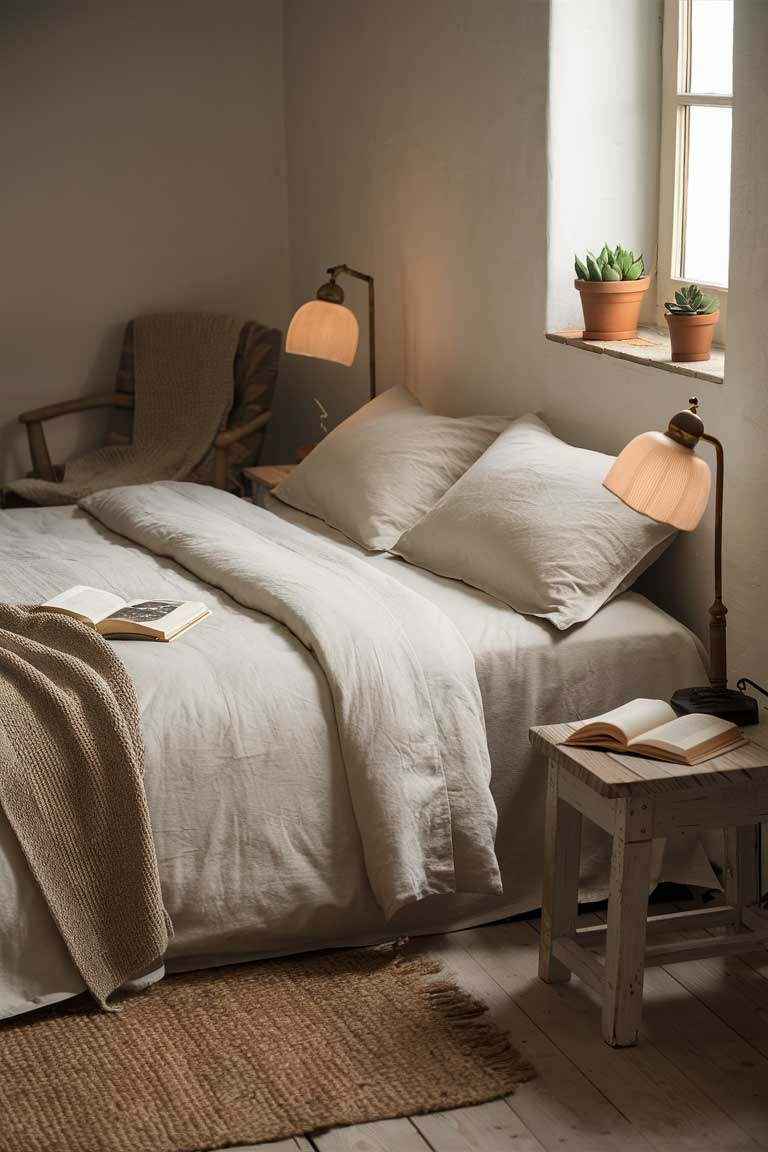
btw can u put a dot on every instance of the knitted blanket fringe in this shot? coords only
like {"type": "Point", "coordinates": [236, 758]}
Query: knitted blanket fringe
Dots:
{"type": "Point", "coordinates": [72, 788]}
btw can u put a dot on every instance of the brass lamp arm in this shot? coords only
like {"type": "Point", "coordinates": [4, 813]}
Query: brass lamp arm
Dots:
{"type": "Point", "coordinates": [345, 270]}
{"type": "Point", "coordinates": [718, 672]}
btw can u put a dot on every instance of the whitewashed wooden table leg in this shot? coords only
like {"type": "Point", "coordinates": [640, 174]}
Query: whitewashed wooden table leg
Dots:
{"type": "Point", "coordinates": [742, 867]}
{"type": "Point", "coordinates": [562, 858]}
{"type": "Point", "coordinates": [627, 916]}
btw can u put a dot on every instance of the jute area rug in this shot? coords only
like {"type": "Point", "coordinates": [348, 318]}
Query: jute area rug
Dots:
{"type": "Point", "coordinates": [249, 1053]}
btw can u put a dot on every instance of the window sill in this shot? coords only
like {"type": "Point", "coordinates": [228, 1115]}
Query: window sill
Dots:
{"type": "Point", "coordinates": [652, 348]}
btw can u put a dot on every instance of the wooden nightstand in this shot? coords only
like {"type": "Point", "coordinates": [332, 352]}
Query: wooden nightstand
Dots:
{"type": "Point", "coordinates": [260, 481]}
{"type": "Point", "coordinates": [634, 800]}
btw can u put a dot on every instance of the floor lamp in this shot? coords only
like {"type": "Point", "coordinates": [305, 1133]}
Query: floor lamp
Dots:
{"type": "Point", "coordinates": [325, 327]}
{"type": "Point", "coordinates": [660, 475]}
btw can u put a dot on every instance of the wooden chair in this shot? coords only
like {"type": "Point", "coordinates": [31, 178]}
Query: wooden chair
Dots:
{"type": "Point", "coordinates": [237, 445]}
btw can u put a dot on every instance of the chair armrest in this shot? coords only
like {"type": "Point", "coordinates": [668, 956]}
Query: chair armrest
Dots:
{"type": "Point", "coordinates": [38, 449]}
{"type": "Point", "coordinates": [80, 404]}
{"type": "Point", "coordinates": [225, 440]}
{"type": "Point", "coordinates": [232, 435]}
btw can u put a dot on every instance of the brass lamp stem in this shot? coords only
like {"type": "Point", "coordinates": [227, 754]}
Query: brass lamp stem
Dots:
{"type": "Point", "coordinates": [345, 270]}
{"type": "Point", "coordinates": [717, 699]}
{"type": "Point", "coordinates": [718, 662]}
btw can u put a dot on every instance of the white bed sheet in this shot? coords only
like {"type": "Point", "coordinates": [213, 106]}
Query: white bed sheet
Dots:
{"type": "Point", "coordinates": [209, 830]}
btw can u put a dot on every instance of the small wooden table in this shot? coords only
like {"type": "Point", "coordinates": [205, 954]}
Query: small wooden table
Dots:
{"type": "Point", "coordinates": [264, 479]}
{"type": "Point", "coordinates": [635, 800]}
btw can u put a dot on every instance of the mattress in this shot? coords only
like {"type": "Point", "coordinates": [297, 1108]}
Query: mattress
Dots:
{"type": "Point", "coordinates": [241, 876]}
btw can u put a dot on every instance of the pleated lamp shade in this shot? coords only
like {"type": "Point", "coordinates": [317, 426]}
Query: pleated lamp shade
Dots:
{"type": "Point", "coordinates": [324, 330]}
{"type": "Point", "coordinates": [661, 478]}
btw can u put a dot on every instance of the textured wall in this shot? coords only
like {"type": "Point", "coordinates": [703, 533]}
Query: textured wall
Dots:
{"type": "Point", "coordinates": [600, 404]}
{"type": "Point", "coordinates": [604, 127]}
{"type": "Point", "coordinates": [417, 149]}
{"type": "Point", "coordinates": [142, 153]}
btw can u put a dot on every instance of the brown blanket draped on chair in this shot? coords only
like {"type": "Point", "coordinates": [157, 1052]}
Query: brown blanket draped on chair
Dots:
{"type": "Point", "coordinates": [183, 392]}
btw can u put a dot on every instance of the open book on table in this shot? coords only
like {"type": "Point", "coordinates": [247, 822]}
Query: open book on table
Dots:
{"type": "Point", "coordinates": [651, 728]}
{"type": "Point", "coordinates": [120, 619]}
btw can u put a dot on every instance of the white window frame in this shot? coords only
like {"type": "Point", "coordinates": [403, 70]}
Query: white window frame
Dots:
{"type": "Point", "coordinates": [673, 175]}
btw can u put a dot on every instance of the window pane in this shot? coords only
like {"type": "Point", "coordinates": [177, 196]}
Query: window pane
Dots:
{"type": "Point", "coordinates": [712, 46]}
{"type": "Point", "coordinates": [708, 203]}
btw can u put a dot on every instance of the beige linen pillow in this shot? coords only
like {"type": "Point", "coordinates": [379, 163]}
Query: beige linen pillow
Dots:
{"type": "Point", "coordinates": [386, 466]}
{"type": "Point", "coordinates": [531, 524]}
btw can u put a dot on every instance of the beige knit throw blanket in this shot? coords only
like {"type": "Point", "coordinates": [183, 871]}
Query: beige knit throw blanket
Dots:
{"type": "Point", "coordinates": [72, 788]}
{"type": "Point", "coordinates": [183, 371]}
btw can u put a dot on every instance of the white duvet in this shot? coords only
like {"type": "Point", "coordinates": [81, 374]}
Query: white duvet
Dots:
{"type": "Point", "coordinates": [289, 808]}
{"type": "Point", "coordinates": [409, 715]}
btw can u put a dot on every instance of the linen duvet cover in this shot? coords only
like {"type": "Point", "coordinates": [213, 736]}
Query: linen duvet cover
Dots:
{"type": "Point", "coordinates": [319, 751]}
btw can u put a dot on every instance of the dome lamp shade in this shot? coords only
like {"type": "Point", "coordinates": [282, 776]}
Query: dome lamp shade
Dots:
{"type": "Point", "coordinates": [660, 475]}
{"type": "Point", "coordinates": [323, 330]}
{"type": "Point", "coordinates": [327, 330]}
{"type": "Point", "coordinates": [662, 479]}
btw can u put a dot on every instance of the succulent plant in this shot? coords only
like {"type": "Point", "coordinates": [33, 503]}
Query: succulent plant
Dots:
{"type": "Point", "coordinates": [691, 301]}
{"type": "Point", "coordinates": [610, 265]}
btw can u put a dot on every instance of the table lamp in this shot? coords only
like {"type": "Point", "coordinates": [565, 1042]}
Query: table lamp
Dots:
{"type": "Point", "coordinates": [326, 329]}
{"type": "Point", "coordinates": [660, 475]}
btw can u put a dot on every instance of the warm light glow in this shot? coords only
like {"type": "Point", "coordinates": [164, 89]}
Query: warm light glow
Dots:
{"type": "Point", "coordinates": [326, 331]}
{"type": "Point", "coordinates": [662, 479]}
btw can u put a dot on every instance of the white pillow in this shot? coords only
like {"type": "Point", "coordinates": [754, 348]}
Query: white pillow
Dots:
{"type": "Point", "coordinates": [531, 524]}
{"type": "Point", "coordinates": [386, 466]}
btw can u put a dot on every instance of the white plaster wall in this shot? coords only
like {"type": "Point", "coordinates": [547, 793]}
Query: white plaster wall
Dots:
{"type": "Point", "coordinates": [417, 150]}
{"type": "Point", "coordinates": [143, 168]}
{"type": "Point", "coordinates": [600, 404]}
{"type": "Point", "coordinates": [741, 409]}
{"type": "Point", "coordinates": [604, 126]}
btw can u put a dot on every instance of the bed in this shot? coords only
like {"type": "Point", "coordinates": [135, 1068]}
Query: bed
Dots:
{"type": "Point", "coordinates": [257, 843]}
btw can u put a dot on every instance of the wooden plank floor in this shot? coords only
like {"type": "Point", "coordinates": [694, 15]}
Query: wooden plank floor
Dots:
{"type": "Point", "coordinates": [698, 1082]}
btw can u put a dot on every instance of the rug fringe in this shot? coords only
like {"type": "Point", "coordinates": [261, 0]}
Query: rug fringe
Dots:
{"type": "Point", "coordinates": [463, 1013]}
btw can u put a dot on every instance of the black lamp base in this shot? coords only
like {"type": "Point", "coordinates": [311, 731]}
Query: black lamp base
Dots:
{"type": "Point", "coordinates": [726, 703]}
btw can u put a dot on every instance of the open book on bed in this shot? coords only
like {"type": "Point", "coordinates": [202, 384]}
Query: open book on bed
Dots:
{"type": "Point", "coordinates": [120, 619]}
{"type": "Point", "coordinates": [651, 728]}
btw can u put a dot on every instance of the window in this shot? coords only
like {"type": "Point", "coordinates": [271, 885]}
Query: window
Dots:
{"type": "Point", "coordinates": [695, 181]}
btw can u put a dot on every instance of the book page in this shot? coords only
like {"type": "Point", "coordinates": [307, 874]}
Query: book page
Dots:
{"type": "Point", "coordinates": [635, 718]}
{"type": "Point", "coordinates": [85, 603]}
{"type": "Point", "coordinates": [685, 733]}
{"type": "Point", "coordinates": [153, 617]}
{"type": "Point", "coordinates": [153, 612]}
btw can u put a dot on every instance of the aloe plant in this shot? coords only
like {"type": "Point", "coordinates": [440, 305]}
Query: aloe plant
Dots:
{"type": "Point", "coordinates": [616, 264]}
{"type": "Point", "coordinates": [691, 301]}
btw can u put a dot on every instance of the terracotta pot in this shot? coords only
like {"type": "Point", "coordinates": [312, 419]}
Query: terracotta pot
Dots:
{"type": "Point", "coordinates": [691, 336]}
{"type": "Point", "coordinates": [611, 307]}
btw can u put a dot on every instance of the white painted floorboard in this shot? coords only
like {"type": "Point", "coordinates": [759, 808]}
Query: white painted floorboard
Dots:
{"type": "Point", "coordinates": [698, 1081]}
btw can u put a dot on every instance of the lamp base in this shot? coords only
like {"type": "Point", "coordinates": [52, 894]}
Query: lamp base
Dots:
{"type": "Point", "coordinates": [726, 703]}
